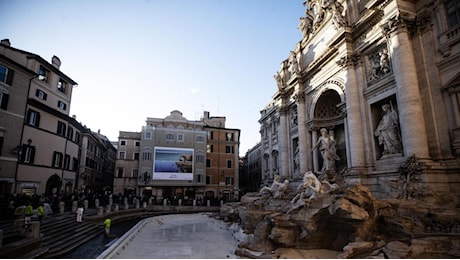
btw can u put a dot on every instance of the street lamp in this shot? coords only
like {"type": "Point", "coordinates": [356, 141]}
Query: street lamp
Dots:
{"type": "Point", "coordinates": [26, 156]}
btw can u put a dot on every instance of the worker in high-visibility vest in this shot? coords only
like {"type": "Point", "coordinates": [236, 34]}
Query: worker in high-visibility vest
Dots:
{"type": "Point", "coordinates": [107, 223]}
{"type": "Point", "coordinates": [40, 212]}
{"type": "Point", "coordinates": [28, 212]}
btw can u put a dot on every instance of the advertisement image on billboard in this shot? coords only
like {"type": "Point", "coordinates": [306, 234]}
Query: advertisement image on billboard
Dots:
{"type": "Point", "coordinates": [173, 163]}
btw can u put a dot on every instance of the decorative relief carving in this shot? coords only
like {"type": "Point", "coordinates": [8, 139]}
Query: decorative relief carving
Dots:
{"type": "Point", "coordinates": [293, 117]}
{"type": "Point", "coordinates": [378, 64]}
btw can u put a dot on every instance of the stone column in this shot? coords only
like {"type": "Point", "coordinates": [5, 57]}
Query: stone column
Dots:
{"type": "Point", "coordinates": [414, 136]}
{"type": "Point", "coordinates": [354, 122]}
{"type": "Point", "coordinates": [314, 137]}
{"type": "Point", "coordinates": [304, 155]}
{"type": "Point", "coordinates": [283, 143]}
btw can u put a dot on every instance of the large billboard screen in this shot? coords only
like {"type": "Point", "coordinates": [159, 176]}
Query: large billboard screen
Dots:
{"type": "Point", "coordinates": [173, 163]}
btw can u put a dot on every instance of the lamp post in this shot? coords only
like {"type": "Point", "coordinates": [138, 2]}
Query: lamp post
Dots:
{"type": "Point", "coordinates": [27, 158]}
{"type": "Point", "coordinates": [40, 77]}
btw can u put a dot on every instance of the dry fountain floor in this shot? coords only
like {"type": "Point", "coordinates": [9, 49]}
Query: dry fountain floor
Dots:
{"type": "Point", "coordinates": [181, 236]}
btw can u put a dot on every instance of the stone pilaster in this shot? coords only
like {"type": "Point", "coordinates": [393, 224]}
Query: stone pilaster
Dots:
{"type": "Point", "coordinates": [304, 155]}
{"type": "Point", "coordinates": [410, 110]}
{"type": "Point", "coordinates": [354, 119]}
{"type": "Point", "coordinates": [283, 143]}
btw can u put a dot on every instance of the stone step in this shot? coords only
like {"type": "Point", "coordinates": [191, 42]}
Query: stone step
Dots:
{"type": "Point", "coordinates": [59, 245]}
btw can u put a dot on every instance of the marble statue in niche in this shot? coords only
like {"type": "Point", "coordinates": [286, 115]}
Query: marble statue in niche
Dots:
{"type": "Point", "coordinates": [387, 131]}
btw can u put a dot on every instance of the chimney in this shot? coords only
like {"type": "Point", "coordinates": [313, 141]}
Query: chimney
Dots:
{"type": "Point", "coordinates": [6, 42]}
{"type": "Point", "coordinates": [56, 62]}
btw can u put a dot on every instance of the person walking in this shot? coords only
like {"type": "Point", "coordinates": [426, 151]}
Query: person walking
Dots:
{"type": "Point", "coordinates": [107, 224]}
{"type": "Point", "coordinates": [40, 212]}
{"type": "Point", "coordinates": [79, 213]}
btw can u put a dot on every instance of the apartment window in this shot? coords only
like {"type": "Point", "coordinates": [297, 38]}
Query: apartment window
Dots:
{"type": "Point", "coordinates": [209, 148]}
{"type": "Point", "coordinates": [229, 149]}
{"type": "Point", "coordinates": [199, 158]}
{"type": "Point", "coordinates": [120, 173]}
{"type": "Point", "coordinates": [138, 143]}
{"type": "Point", "coordinates": [208, 163]}
{"type": "Point", "coordinates": [27, 154]}
{"type": "Point", "coordinates": [57, 160]}
{"type": "Point", "coordinates": [170, 137]}
{"type": "Point", "coordinates": [229, 163]}
{"type": "Point", "coordinates": [135, 173]}
{"type": "Point", "coordinates": [61, 128]}
{"type": "Point", "coordinates": [146, 156]}
{"type": "Point", "coordinates": [33, 118]}
{"type": "Point", "coordinates": [229, 136]}
{"type": "Point", "coordinates": [136, 156]}
{"type": "Point", "coordinates": [199, 178]}
{"type": "Point", "coordinates": [208, 180]}
{"type": "Point", "coordinates": [74, 164]}
{"type": "Point", "coordinates": [4, 100]}
{"type": "Point", "coordinates": [122, 155]}
{"type": "Point", "coordinates": [70, 133]}
{"type": "Point", "coordinates": [77, 137]}
{"type": "Point", "coordinates": [453, 12]}
{"type": "Point", "coordinates": [3, 73]}
{"type": "Point", "coordinates": [61, 86]}
{"type": "Point", "coordinates": [41, 94]}
{"type": "Point", "coordinates": [62, 105]}
{"type": "Point", "coordinates": [6, 75]}
{"type": "Point", "coordinates": [210, 135]}
{"type": "Point", "coordinates": [228, 180]}
{"type": "Point", "coordinates": [44, 73]}
{"type": "Point", "coordinates": [180, 137]}
{"type": "Point", "coordinates": [67, 162]}
{"type": "Point", "coordinates": [148, 135]}
{"type": "Point", "coordinates": [122, 142]}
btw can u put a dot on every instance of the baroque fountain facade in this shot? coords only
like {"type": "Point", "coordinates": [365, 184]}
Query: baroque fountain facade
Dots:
{"type": "Point", "coordinates": [360, 142]}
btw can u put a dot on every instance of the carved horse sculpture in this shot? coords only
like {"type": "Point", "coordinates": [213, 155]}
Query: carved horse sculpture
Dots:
{"type": "Point", "coordinates": [277, 188]}
{"type": "Point", "coordinates": [312, 186]}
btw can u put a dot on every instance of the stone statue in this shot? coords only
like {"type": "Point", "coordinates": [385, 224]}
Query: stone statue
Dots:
{"type": "Point", "coordinates": [293, 64]}
{"type": "Point", "coordinates": [279, 80]}
{"type": "Point", "coordinates": [296, 156]}
{"type": "Point", "coordinates": [309, 188]}
{"type": "Point", "coordinates": [337, 18]}
{"type": "Point", "coordinates": [312, 186]}
{"type": "Point", "coordinates": [387, 131]}
{"type": "Point", "coordinates": [306, 26]}
{"type": "Point", "coordinates": [274, 187]}
{"type": "Point", "coordinates": [293, 117]}
{"type": "Point", "coordinates": [327, 148]}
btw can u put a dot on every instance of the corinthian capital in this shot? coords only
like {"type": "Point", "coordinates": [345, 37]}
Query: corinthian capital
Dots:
{"type": "Point", "coordinates": [400, 22]}
{"type": "Point", "coordinates": [348, 60]}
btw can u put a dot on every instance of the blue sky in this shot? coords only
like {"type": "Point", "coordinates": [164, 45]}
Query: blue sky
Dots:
{"type": "Point", "coordinates": [138, 59]}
